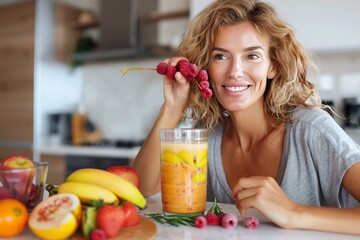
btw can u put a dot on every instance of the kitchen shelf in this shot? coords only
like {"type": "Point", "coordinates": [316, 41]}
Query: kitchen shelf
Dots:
{"type": "Point", "coordinates": [114, 152]}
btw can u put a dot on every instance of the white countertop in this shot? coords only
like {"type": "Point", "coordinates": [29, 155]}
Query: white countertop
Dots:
{"type": "Point", "coordinates": [119, 152]}
{"type": "Point", "coordinates": [266, 230]}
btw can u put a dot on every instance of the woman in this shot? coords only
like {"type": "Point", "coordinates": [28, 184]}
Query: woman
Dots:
{"type": "Point", "coordinates": [271, 145]}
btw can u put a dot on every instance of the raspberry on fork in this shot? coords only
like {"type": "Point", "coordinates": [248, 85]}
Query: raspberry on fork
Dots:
{"type": "Point", "coordinates": [162, 68]}
{"type": "Point", "coordinates": [184, 68]}
{"type": "Point", "coordinates": [189, 70]}
{"type": "Point", "coordinates": [202, 76]}
{"type": "Point", "coordinates": [194, 70]}
{"type": "Point", "coordinates": [170, 72]}
{"type": "Point", "coordinates": [206, 93]}
{"type": "Point", "coordinates": [203, 85]}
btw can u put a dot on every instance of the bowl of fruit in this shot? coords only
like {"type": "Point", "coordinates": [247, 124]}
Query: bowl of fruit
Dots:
{"type": "Point", "coordinates": [23, 179]}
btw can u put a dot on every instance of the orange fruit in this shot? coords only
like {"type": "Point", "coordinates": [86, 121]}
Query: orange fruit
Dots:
{"type": "Point", "coordinates": [57, 217]}
{"type": "Point", "coordinates": [13, 217]}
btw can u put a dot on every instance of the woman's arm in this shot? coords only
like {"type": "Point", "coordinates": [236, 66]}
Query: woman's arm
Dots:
{"type": "Point", "coordinates": [147, 162]}
{"type": "Point", "coordinates": [264, 194]}
{"type": "Point", "coordinates": [176, 100]}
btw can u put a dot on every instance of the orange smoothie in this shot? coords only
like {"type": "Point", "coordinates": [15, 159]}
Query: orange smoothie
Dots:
{"type": "Point", "coordinates": [184, 177]}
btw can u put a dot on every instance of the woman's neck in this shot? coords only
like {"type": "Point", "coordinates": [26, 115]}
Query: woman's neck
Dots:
{"type": "Point", "coordinates": [248, 127]}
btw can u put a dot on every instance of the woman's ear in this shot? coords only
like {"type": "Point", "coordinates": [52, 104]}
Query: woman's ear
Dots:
{"type": "Point", "coordinates": [271, 71]}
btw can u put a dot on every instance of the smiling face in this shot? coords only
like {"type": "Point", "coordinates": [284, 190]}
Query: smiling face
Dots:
{"type": "Point", "coordinates": [239, 67]}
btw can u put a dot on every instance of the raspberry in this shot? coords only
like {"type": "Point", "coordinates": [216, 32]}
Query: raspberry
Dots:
{"type": "Point", "coordinates": [220, 216]}
{"type": "Point", "coordinates": [251, 222]}
{"type": "Point", "coordinates": [194, 70]}
{"type": "Point", "coordinates": [190, 78]}
{"type": "Point", "coordinates": [206, 93]}
{"type": "Point", "coordinates": [229, 220]}
{"type": "Point", "coordinates": [204, 85]}
{"type": "Point", "coordinates": [202, 76]}
{"type": "Point", "coordinates": [200, 222]}
{"type": "Point", "coordinates": [182, 61]}
{"type": "Point", "coordinates": [212, 219]}
{"type": "Point", "coordinates": [97, 234]}
{"type": "Point", "coordinates": [170, 72]}
{"type": "Point", "coordinates": [162, 68]}
{"type": "Point", "coordinates": [185, 68]}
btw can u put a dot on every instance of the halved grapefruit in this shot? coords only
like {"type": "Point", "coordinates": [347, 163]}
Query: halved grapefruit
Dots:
{"type": "Point", "coordinates": [57, 217]}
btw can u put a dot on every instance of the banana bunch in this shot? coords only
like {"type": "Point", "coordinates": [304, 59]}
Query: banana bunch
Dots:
{"type": "Point", "coordinates": [94, 184]}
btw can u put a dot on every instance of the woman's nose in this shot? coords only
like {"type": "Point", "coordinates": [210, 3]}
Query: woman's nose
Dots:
{"type": "Point", "coordinates": [236, 69]}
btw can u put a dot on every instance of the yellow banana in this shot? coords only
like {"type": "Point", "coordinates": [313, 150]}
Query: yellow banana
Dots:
{"type": "Point", "coordinates": [87, 192]}
{"type": "Point", "coordinates": [116, 184]}
{"type": "Point", "coordinates": [187, 157]}
{"type": "Point", "coordinates": [201, 158]}
{"type": "Point", "coordinates": [171, 157]}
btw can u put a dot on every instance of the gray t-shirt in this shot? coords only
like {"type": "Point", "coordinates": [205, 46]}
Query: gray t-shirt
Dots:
{"type": "Point", "coordinates": [316, 154]}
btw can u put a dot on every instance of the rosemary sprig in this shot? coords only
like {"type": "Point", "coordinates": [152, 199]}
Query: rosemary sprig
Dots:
{"type": "Point", "coordinates": [215, 208]}
{"type": "Point", "coordinates": [174, 219]}
{"type": "Point", "coordinates": [179, 219]}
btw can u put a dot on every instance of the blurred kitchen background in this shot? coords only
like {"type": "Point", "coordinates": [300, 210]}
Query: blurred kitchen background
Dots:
{"type": "Point", "coordinates": [64, 100]}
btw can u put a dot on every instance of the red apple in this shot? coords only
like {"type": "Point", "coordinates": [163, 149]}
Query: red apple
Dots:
{"type": "Point", "coordinates": [126, 172]}
{"type": "Point", "coordinates": [15, 161]}
{"type": "Point", "coordinates": [16, 174]}
{"type": "Point", "coordinates": [5, 193]}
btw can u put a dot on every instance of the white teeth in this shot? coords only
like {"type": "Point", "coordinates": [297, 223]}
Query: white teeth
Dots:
{"type": "Point", "coordinates": [236, 89]}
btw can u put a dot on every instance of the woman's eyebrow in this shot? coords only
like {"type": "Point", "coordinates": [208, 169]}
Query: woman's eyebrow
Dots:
{"type": "Point", "coordinates": [245, 49]}
{"type": "Point", "coordinates": [220, 49]}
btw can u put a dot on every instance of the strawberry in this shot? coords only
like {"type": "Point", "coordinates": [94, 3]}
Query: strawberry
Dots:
{"type": "Point", "coordinates": [131, 214]}
{"type": "Point", "coordinates": [110, 219]}
{"type": "Point", "coordinates": [97, 234]}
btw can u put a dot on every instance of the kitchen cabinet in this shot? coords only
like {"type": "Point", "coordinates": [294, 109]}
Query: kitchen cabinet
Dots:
{"type": "Point", "coordinates": [17, 24]}
{"type": "Point", "coordinates": [66, 32]}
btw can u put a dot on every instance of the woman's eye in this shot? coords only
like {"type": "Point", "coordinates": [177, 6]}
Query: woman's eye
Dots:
{"type": "Point", "coordinates": [219, 57]}
{"type": "Point", "coordinates": [253, 56]}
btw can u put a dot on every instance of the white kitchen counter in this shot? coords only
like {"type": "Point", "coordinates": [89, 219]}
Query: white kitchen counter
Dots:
{"type": "Point", "coordinates": [118, 152]}
{"type": "Point", "coordinates": [266, 230]}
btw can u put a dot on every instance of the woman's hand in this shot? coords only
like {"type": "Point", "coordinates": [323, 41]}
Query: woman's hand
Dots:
{"type": "Point", "coordinates": [176, 92]}
{"type": "Point", "coordinates": [265, 195]}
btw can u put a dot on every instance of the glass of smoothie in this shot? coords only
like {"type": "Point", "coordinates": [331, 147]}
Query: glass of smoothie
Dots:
{"type": "Point", "coordinates": [184, 170]}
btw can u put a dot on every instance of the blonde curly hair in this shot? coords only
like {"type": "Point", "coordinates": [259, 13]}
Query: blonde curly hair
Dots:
{"type": "Point", "coordinates": [290, 87]}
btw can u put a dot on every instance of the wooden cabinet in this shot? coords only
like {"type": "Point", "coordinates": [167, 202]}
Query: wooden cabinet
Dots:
{"type": "Point", "coordinates": [17, 24]}
{"type": "Point", "coordinates": [66, 32]}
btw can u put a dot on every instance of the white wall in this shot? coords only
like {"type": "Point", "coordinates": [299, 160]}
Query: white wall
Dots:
{"type": "Point", "coordinates": [321, 25]}
{"type": "Point", "coordinates": [122, 106]}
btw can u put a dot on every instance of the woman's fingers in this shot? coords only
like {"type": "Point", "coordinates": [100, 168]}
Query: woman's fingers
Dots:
{"type": "Point", "coordinates": [265, 195]}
